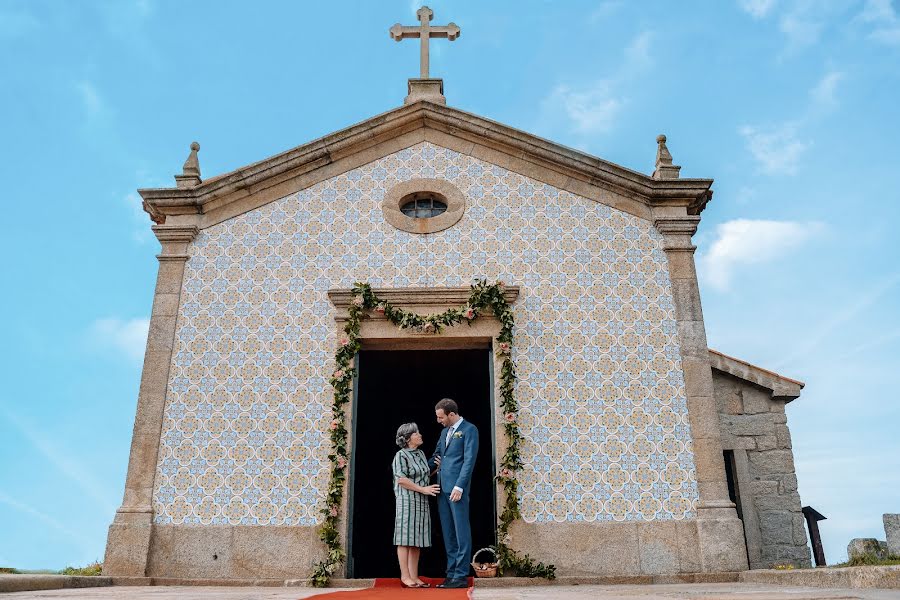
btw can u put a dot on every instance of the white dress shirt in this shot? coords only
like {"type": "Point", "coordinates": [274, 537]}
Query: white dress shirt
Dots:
{"type": "Point", "coordinates": [450, 433]}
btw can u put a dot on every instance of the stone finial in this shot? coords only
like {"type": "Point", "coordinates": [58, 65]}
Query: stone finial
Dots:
{"type": "Point", "coordinates": [664, 167]}
{"type": "Point", "coordinates": [425, 87]}
{"type": "Point", "coordinates": [425, 31]}
{"type": "Point", "coordinates": [190, 172]}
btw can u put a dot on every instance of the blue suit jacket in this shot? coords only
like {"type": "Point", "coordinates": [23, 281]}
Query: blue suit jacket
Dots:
{"type": "Point", "coordinates": [458, 458]}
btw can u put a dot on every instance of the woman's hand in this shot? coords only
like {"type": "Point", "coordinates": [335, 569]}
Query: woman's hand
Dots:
{"type": "Point", "coordinates": [431, 490]}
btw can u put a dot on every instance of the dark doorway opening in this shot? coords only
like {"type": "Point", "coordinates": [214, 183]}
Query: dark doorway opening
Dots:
{"type": "Point", "coordinates": [734, 492]}
{"type": "Point", "coordinates": [401, 386]}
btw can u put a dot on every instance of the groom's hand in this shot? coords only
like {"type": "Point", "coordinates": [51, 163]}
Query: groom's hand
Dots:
{"type": "Point", "coordinates": [456, 495]}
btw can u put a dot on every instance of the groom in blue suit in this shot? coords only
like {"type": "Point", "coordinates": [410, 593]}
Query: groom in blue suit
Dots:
{"type": "Point", "coordinates": [454, 457]}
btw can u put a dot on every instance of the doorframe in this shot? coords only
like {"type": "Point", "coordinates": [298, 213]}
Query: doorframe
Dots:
{"type": "Point", "coordinates": [376, 332]}
{"type": "Point", "coordinates": [351, 466]}
{"type": "Point", "coordinates": [350, 472]}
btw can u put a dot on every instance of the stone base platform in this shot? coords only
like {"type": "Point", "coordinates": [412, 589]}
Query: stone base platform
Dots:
{"type": "Point", "coordinates": [15, 583]}
{"type": "Point", "coordinates": [886, 578]}
{"type": "Point", "coordinates": [516, 582]}
{"type": "Point", "coordinates": [22, 583]}
{"type": "Point", "coordinates": [864, 583]}
{"type": "Point", "coordinates": [681, 591]}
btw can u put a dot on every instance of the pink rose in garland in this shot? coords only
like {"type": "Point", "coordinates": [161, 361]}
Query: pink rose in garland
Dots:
{"type": "Point", "coordinates": [339, 374]}
{"type": "Point", "coordinates": [334, 511]}
{"type": "Point", "coordinates": [341, 462]}
{"type": "Point", "coordinates": [504, 347]}
{"type": "Point", "coordinates": [505, 474]}
{"type": "Point", "coordinates": [344, 341]}
{"type": "Point", "coordinates": [470, 313]}
{"type": "Point", "coordinates": [380, 309]}
{"type": "Point", "coordinates": [334, 425]}
{"type": "Point", "coordinates": [510, 417]}
{"type": "Point", "coordinates": [428, 328]}
{"type": "Point", "coordinates": [358, 301]}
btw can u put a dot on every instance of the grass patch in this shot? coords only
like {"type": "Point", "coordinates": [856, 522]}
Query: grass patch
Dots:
{"type": "Point", "coordinates": [871, 560]}
{"type": "Point", "coordinates": [91, 570]}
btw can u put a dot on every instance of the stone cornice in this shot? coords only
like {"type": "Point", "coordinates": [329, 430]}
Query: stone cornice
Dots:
{"type": "Point", "coordinates": [413, 297]}
{"type": "Point", "coordinates": [677, 225]}
{"type": "Point", "coordinates": [230, 187]}
{"type": "Point", "coordinates": [175, 233]}
{"type": "Point", "coordinates": [781, 387]}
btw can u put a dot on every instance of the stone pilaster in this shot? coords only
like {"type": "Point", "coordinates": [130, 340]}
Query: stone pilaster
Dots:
{"type": "Point", "coordinates": [128, 544]}
{"type": "Point", "coordinates": [721, 534]}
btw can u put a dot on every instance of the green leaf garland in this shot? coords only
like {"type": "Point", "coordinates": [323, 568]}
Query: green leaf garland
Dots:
{"type": "Point", "coordinates": [482, 297]}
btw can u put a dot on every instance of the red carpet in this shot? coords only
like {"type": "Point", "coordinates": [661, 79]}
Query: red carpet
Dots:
{"type": "Point", "coordinates": [385, 589]}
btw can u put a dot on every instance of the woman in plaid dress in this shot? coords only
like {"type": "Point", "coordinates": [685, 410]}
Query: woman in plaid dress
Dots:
{"type": "Point", "coordinates": [412, 524]}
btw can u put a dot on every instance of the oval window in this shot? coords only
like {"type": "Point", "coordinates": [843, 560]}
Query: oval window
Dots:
{"type": "Point", "coordinates": [423, 205]}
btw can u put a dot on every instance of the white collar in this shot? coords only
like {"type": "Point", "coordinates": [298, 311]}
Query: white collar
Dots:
{"type": "Point", "coordinates": [455, 426]}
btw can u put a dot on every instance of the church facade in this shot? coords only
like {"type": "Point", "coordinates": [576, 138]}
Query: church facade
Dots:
{"type": "Point", "coordinates": [644, 452]}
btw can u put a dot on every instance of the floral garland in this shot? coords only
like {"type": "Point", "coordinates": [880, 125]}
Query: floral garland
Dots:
{"type": "Point", "coordinates": [483, 297]}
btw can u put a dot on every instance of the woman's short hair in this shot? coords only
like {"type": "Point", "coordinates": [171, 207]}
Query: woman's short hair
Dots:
{"type": "Point", "coordinates": [404, 432]}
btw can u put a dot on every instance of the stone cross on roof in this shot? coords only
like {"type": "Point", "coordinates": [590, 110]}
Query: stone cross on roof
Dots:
{"type": "Point", "coordinates": [424, 32]}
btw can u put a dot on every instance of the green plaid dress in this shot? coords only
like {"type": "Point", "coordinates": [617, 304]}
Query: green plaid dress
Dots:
{"type": "Point", "coordinates": [412, 523]}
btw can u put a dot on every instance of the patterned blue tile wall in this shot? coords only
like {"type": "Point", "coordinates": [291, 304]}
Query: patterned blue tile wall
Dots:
{"type": "Point", "coordinates": [601, 387]}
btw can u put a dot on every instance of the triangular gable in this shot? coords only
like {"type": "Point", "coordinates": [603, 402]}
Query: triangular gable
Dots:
{"type": "Point", "coordinates": [781, 387]}
{"type": "Point", "coordinates": [224, 196]}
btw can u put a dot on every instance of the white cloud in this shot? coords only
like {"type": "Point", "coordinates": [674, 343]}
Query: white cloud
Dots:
{"type": "Point", "coordinates": [864, 300]}
{"type": "Point", "coordinates": [127, 336]}
{"type": "Point", "coordinates": [593, 107]}
{"type": "Point", "coordinates": [98, 115]}
{"type": "Point", "coordinates": [777, 149]}
{"type": "Point", "coordinates": [884, 20]}
{"type": "Point", "coordinates": [45, 518]}
{"type": "Point", "coordinates": [90, 98]}
{"type": "Point", "coordinates": [590, 109]}
{"type": "Point", "coordinates": [823, 95]}
{"type": "Point", "coordinates": [637, 53]}
{"type": "Point", "coordinates": [744, 195]}
{"type": "Point", "coordinates": [144, 8]}
{"type": "Point", "coordinates": [801, 27]}
{"type": "Point", "coordinates": [604, 10]}
{"type": "Point", "coordinates": [744, 242]}
{"type": "Point", "coordinates": [871, 343]}
{"type": "Point", "coordinates": [67, 462]}
{"type": "Point", "coordinates": [757, 8]}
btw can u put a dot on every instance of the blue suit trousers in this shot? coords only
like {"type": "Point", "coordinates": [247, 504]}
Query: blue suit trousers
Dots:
{"type": "Point", "coordinates": [457, 534]}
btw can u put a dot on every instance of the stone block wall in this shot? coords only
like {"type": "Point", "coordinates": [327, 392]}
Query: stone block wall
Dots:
{"type": "Point", "coordinates": [754, 427]}
{"type": "Point", "coordinates": [892, 532]}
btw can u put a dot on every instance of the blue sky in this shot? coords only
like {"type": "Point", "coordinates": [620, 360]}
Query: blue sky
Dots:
{"type": "Point", "coordinates": [789, 104]}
